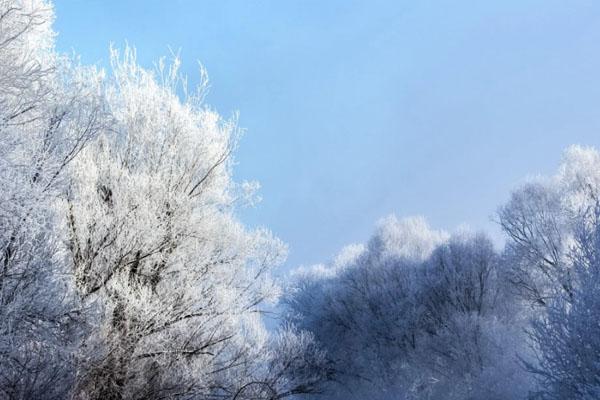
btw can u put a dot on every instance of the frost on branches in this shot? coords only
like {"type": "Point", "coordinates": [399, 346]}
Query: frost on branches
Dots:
{"type": "Point", "coordinates": [124, 273]}
{"type": "Point", "coordinates": [556, 262]}
{"type": "Point", "coordinates": [48, 111]}
{"type": "Point", "coordinates": [414, 314]}
{"type": "Point", "coordinates": [173, 280]}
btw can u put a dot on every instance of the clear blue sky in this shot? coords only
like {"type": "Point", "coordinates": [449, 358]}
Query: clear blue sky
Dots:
{"type": "Point", "coordinates": [354, 110]}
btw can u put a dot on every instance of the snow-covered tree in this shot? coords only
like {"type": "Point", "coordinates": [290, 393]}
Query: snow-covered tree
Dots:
{"type": "Point", "coordinates": [415, 314]}
{"type": "Point", "coordinates": [49, 110]}
{"type": "Point", "coordinates": [567, 336]}
{"type": "Point", "coordinates": [172, 279]}
{"type": "Point", "coordinates": [540, 219]}
{"type": "Point", "coordinates": [552, 226]}
{"type": "Point", "coordinates": [471, 330]}
{"type": "Point", "coordinates": [362, 308]}
{"type": "Point", "coordinates": [123, 270]}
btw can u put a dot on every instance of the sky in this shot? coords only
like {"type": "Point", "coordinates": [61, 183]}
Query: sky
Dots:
{"type": "Point", "coordinates": [353, 110]}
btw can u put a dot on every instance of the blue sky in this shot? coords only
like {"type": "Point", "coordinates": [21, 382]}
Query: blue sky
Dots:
{"type": "Point", "coordinates": [355, 110]}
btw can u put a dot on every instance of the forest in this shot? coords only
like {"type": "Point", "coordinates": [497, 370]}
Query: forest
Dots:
{"type": "Point", "coordinates": [126, 273]}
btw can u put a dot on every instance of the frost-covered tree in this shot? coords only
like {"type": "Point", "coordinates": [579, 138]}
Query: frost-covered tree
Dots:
{"type": "Point", "coordinates": [123, 270]}
{"type": "Point", "coordinates": [552, 228]}
{"type": "Point", "coordinates": [471, 331]}
{"type": "Point", "coordinates": [362, 308]}
{"type": "Point", "coordinates": [413, 315]}
{"type": "Point", "coordinates": [49, 110]}
{"type": "Point", "coordinates": [540, 219]}
{"type": "Point", "coordinates": [567, 337]}
{"type": "Point", "coordinates": [172, 280]}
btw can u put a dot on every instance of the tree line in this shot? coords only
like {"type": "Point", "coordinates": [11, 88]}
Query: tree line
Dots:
{"type": "Point", "coordinates": [125, 273]}
{"type": "Point", "coordinates": [422, 314]}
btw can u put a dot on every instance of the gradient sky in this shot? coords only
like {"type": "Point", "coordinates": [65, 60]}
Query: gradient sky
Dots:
{"type": "Point", "coordinates": [355, 110]}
